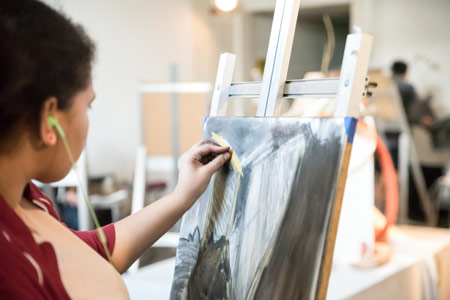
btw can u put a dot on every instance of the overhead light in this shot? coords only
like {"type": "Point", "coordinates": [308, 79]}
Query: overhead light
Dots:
{"type": "Point", "coordinates": [226, 5]}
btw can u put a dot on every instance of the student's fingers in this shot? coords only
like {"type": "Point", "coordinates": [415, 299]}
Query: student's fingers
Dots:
{"type": "Point", "coordinates": [208, 148]}
{"type": "Point", "coordinates": [202, 142]}
{"type": "Point", "coordinates": [217, 162]}
{"type": "Point", "coordinates": [208, 157]}
{"type": "Point", "coordinates": [203, 152]}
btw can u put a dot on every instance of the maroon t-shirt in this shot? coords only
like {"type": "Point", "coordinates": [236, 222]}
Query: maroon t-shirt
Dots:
{"type": "Point", "coordinates": [29, 270]}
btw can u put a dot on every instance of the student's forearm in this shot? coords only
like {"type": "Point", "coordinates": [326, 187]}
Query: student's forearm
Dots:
{"type": "Point", "coordinates": [137, 232]}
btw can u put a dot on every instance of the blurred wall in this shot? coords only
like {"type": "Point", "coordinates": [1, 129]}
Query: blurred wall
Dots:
{"type": "Point", "coordinates": [309, 41]}
{"type": "Point", "coordinates": [138, 40]}
{"type": "Point", "coordinates": [417, 31]}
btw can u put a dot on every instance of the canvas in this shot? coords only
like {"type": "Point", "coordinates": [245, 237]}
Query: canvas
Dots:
{"type": "Point", "coordinates": [266, 233]}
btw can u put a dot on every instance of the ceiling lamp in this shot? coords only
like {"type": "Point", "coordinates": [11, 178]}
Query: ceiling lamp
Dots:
{"type": "Point", "coordinates": [226, 5]}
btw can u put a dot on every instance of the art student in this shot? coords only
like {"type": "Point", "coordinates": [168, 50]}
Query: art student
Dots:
{"type": "Point", "coordinates": [45, 75]}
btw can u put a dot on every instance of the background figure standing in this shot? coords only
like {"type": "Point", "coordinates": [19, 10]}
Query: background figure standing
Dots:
{"type": "Point", "coordinates": [418, 111]}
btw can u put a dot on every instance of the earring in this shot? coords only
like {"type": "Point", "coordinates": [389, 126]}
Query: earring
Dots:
{"type": "Point", "coordinates": [51, 138]}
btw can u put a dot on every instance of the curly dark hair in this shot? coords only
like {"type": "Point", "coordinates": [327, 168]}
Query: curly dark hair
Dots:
{"type": "Point", "coordinates": [42, 54]}
{"type": "Point", "coordinates": [399, 67]}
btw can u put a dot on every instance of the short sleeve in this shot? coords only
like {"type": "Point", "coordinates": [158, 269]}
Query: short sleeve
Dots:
{"type": "Point", "coordinates": [93, 240]}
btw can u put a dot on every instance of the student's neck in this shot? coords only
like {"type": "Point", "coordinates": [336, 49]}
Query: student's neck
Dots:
{"type": "Point", "coordinates": [14, 176]}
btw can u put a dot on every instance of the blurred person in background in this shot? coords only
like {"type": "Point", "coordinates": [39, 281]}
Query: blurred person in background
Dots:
{"type": "Point", "coordinates": [418, 111]}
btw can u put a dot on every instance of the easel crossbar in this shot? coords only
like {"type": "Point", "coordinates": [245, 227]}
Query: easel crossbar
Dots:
{"type": "Point", "coordinates": [302, 88]}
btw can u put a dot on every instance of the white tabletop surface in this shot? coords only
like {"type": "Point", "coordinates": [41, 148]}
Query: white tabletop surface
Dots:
{"type": "Point", "coordinates": [414, 250]}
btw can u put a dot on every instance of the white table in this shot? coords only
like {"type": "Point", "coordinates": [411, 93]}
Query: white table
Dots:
{"type": "Point", "coordinates": [420, 269]}
{"type": "Point", "coordinates": [151, 282]}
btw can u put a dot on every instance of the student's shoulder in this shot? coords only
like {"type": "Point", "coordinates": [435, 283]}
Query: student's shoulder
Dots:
{"type": "Point", "coordinates": [35, 195]}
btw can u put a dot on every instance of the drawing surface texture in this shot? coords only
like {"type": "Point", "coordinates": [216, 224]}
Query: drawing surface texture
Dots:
{"type": "Point", "coordinates": [262, 233]}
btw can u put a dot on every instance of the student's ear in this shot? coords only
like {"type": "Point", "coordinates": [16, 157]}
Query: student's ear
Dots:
{"type": "Point", "coordinates": [47, 133]}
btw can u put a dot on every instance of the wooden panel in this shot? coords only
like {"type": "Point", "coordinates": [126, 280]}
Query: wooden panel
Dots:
{"type": "Point", "coordinates": [327, 257]}
{"type": "Point", "coordinates": [157, 122]}
{"type": "Point", "coordinates": [192, 114]}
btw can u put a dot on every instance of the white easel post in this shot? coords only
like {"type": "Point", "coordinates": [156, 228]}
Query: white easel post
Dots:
{"type": "Point", "coordinates": [223, 81]}
{"type": "Point", "coordinates": [352, 80]}
{"type": "Point", "coordinates": [278, 56]}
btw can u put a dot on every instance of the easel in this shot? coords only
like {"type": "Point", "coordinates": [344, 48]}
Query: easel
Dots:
{"type": "Point", "coordinates": [142, 163]}
{"type": "Point", "coordinates": [348, 89]}
{"type": "Point", "coordinates": [407, 154]}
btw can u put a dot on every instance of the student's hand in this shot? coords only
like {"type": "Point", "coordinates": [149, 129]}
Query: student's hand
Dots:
{"type": "Point", "coordinates": [196, 167]}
